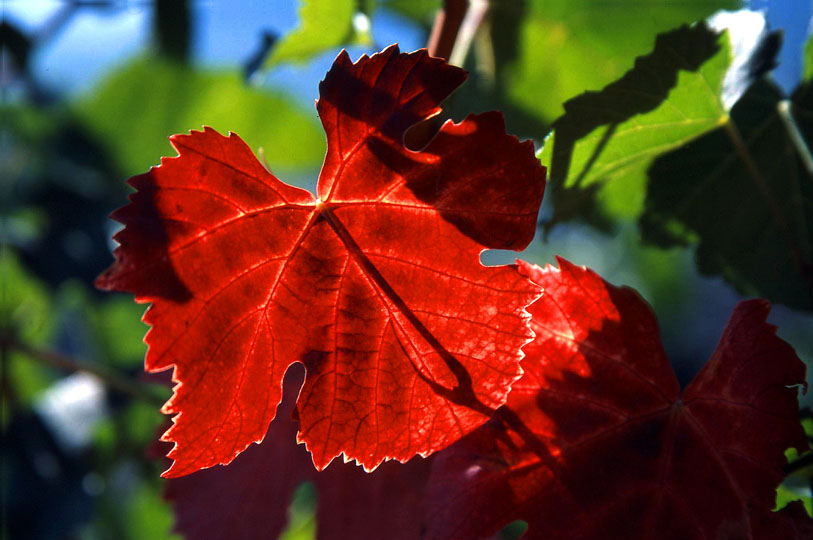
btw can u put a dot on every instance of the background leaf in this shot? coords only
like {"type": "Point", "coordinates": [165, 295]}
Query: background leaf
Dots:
{"type": "Point", "coordinates": [660, 145]}
{"type": "Point", "coordinates": [602, 146]}
{"type": "Point", "coordinates": [557, 36]}
{"type": "Point", "coordinates": [744, 195]}
{"type": "Point", "coordinates": [323, 26]}
{"type": "Point", "coordinates": [152, 96]}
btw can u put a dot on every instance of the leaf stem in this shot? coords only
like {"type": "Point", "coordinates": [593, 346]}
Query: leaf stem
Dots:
{"type": "Point", "coordinates": [467, 30]}
{"type": "Point", "coordinates": [762, 185]}
{"type": "Point", "coordinates": [446, 27]}
{"type": "Point", "coordinates": [784, 110]}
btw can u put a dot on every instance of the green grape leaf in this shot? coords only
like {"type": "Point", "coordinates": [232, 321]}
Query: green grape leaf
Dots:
{"type": "Point", "coordinates": [139, 106]}
{"type": "Point", "coordinates": [574, 34]}
{"type": "Point", "coordinates": [744, 194]}
{"type": "Point", "coordinates": [602, 146]}
{"type": "Point", "coordinates": [664, 145]}
{"type": "Point", "coordinates": [323, 26]}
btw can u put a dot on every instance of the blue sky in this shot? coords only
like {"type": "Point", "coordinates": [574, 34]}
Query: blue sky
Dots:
{"type": "Point", "coordinates": [227, 33]}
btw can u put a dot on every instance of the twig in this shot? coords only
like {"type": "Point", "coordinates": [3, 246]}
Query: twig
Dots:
{"type": "Point", "coordinates": [784, 110]}
{"type": "Point", "coordinates": [447, 25]}
{"type": "Point", "coordinates": [467, 30]}
{"type": "Point", "coordinates": [452, 33]}
{"type": "Point", "coordinates": [113, 380]}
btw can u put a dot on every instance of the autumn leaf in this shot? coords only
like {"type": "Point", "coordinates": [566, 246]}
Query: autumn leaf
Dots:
{"type": "Point", "coordinates": [408, 341]}
{"type": "Point", "coordinates": [614, 449]}
{"type": "Point", "coordinates": [789, 523]}
{"type": "Point", "coordinates": [252, 494]}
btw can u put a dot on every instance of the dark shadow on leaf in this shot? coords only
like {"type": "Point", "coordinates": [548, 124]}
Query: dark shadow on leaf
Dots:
{"type": "Point", "coordinates": [752, 224]}
{"type": "Point", "coordinates": [363, 101]}
{"type": "Point", "coordinates": [581, 454]}
{"type": "Point", "coordinates": [144, 238]}
{"type": "Point", "coordinates": [439, 184]}
{"type": "Point", "coordinates": [639, 91]}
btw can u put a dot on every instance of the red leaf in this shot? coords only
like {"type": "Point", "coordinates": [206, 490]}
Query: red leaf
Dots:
{"type": "Point", "coordinates": [612, 450]}
{"type": "Point", "coordinates": [789, 523]}
{"type": "Point", "coordinates": [376, 287]}
{"type": "Point", "coordinates": [385, 503]}
{"type": "Point", "coordinates": [249, 498]}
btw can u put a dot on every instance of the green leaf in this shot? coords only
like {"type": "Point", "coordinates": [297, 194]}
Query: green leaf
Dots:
{"type": "Point", "coordinates": [660, 146]}
{"type": "Point", "coordinates": [422, 11]}
{"type": "Point", "coordinates": [323, 25]}
{"type": "Point", "coordinates": [785, 496]}
{"type": "Point", "coordinates": [138, 107]}
{"type": "Point", "coordinates": [604, 143]}
{"type": "Point", "coordinates": [744, 193]}
{"type": "Point", "coordinates": [567, 46]}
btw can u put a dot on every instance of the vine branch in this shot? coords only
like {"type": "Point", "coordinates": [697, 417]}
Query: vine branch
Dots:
{"type": "Point", "coordinates": [110, 378]}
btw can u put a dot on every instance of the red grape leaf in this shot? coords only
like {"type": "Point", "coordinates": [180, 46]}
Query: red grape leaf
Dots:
{"type": "Point", "coordinates": [249, 498]}
{"type": "Point", "coordinates": [376, 287]}
{"type": "Point", "coordinates": [625, 455]}
{"type": "Point", "coordinates": [385, 503]}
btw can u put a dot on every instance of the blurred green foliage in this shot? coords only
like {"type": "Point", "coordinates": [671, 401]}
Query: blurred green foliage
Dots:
{"type": "Point", "coordinates": [322, 26]}
{"type": "Point", "coordinates": [25, 305]}
{"type": "Point", "coordinates": [155, 98]}
{"type": "Point", "coordinates": [25, 312]}
{"type": "Point", "coordinates": [422, 11]}
{"type": "Point", "coordinates": [301, 524]}
{"type": "Point", "coordinates": [808, 61]}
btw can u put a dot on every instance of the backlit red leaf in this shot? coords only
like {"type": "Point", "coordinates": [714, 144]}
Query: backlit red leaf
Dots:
{"type": "Point", "coordinates": [613, 450]}
{"type": "Point", "coordinates": [249, 498]}
{"type": "Point", "coordinates": [376, 286]}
